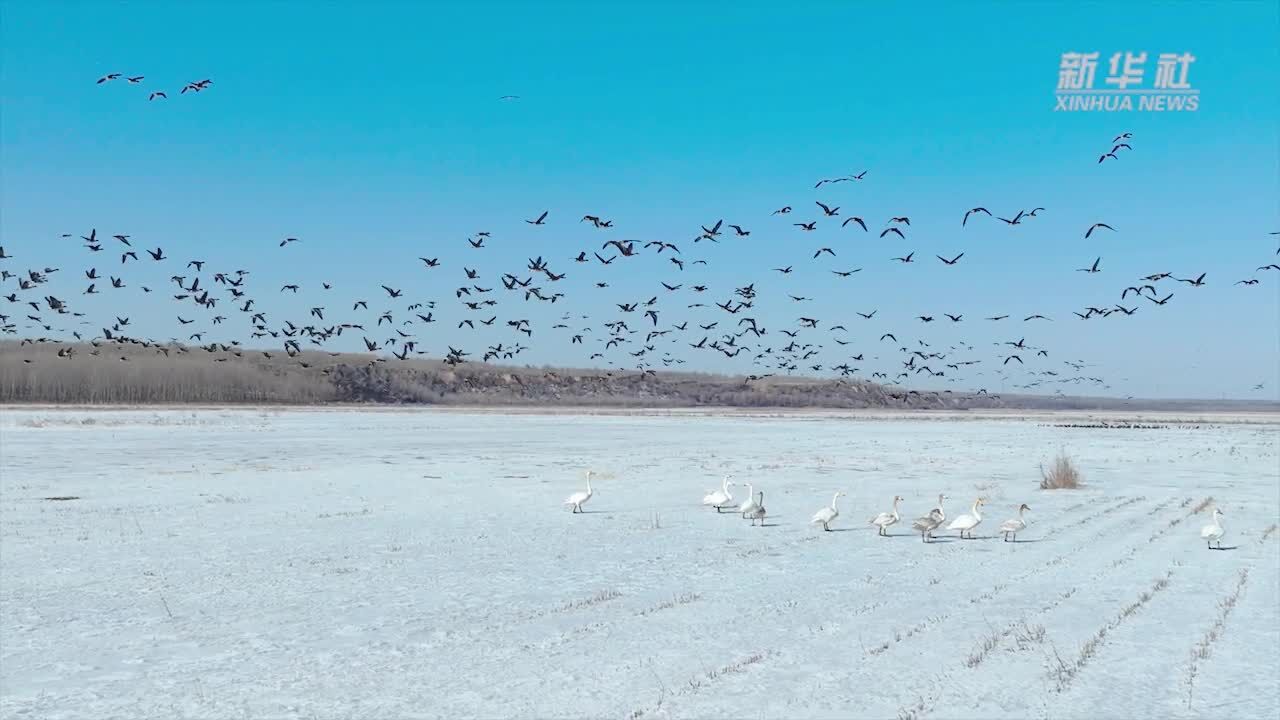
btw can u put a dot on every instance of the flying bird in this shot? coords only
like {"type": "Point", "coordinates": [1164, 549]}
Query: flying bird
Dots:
{"type": "Point", "coordinates": [977, 209]}
{"type": "Point", "coordinates": [1095, 226]}
{"type": "Point", "coordinates": [1092, 268]}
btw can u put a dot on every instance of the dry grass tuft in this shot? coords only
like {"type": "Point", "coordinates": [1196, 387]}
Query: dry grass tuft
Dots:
{"type": "Point", "coordinates": [1269, 532]}
{"type": "Point", "coordinates": [697, 683]}
{"type": "Point", "coordinates": [985, 646]}
{"type": "Point", "coordinates": [603, 596]}
{"type": "Point", "coordinates": [1028, 635]}
{"type": "Point", "coordinates": [676, 601]}
{"type": "Point", "coordinates": [1062, 475]}
{"type": "Point", "coordinates": [1203, 505]}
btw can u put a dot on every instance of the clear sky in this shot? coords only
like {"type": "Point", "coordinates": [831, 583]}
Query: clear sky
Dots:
{"type": "Point", "coordinates": [374, 133]}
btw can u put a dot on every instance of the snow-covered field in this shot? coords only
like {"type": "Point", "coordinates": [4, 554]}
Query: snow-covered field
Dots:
{"type": "Point", "coordinates": [362, 563]}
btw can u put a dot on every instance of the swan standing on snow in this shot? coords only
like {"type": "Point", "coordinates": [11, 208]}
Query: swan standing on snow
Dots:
{"type": "Point", "coordinates": [885, 519]}
{"type": "Point", "coordinates": [1213, 531]}
{"type": "Point", "coordinates": [757, 512]}
{"type": "Point", "coordinates": [927, 524]}
{"type": "Point", "coordinates": [578, 499]}
{"type": "Point", "coordinates": [1013, 526]}
{"type": "Point", "coordinates": [827, 515]}
{"type": "Point", "coordinates": [966, 523]}
{"type": "Point", "coordinates": [721, 498]}
{"type": "Point", "coordinates": [749, 504]}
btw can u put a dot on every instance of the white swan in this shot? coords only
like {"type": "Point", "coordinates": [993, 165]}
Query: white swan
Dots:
{"type": "Point", "coordinates": [966, 523]}
{"type": "Point", "coordinates": [718, 499]}
{"type": "Point", "coordinates": [1013, 526]}
{"type": "Point", "coordinates": [578, 499]}
{"type": "Point", "coordinates": [826, 515]}
{"type": "Point", "coordinates": [750, 503]}
{"type": "Point", "coordinates": [885, 519]}
{"type": "Point", "coordinates": [927, 524]}
{"type": "Point", "coordinates": [757, 512]}
{"type": "Point", "coordinates": [1213, 531]}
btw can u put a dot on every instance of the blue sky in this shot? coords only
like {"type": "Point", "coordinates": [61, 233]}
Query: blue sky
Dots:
{"type": "Point", "coordinates": [374, 133]}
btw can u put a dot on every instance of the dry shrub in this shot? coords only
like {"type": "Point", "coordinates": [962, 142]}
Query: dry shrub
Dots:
{"type": "Point", "coordinates": [1061, 475]}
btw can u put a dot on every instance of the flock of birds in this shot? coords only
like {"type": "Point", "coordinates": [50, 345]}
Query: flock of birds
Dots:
{"type": "Point", "coordinates": [634, 333]}
{"type": "Point", "coordinates": [194, 86]}
{"type": "Point", "coordinates": [752, 508]}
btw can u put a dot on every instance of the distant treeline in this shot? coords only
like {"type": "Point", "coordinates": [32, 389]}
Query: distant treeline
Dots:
{"type": "Point", "coordinates": [132, 374]}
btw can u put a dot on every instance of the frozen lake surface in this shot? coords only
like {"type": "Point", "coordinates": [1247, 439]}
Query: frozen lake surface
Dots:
{"type": "Point", "coordinates": [363, 563]}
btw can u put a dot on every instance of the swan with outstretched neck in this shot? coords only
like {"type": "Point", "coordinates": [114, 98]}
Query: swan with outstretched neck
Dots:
{"type": "Point", "coordinates": [750, 503]}
{"type": "Point", "coordinates": [578, 499]}
{"type": "Point", "coordinates": [757, 512]}
{"type": "Point", "coordinates": [886, 519]}
{"type": "Point", "coordinates": [1214, 530]}
{"type": "Point", "coordinates": [721, 498]}
{"type": "Point", "coordinates": [967, 522]}
{"type": "Point", "coordinates": [826, 515]}
{"type": "Point", "coordinates": [1013, 526]}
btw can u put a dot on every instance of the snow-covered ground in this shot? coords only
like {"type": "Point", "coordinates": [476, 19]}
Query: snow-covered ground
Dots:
{"type": "Point", "coordinates": [353, 563]}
